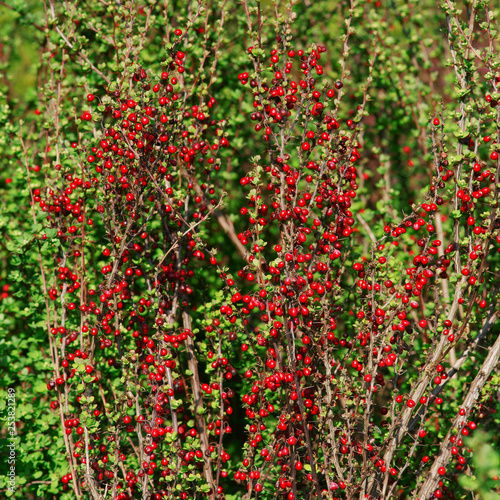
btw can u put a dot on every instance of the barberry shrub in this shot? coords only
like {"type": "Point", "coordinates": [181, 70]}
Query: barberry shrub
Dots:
{"type": "Point", "coordinates": [251, 249]}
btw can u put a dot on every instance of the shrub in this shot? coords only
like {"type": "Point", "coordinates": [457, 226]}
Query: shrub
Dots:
{"type": "Point", "coordinates": [251, 249]}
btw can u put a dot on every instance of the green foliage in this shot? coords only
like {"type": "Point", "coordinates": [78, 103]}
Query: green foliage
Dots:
{"type": "Point", "coordinates": [416, 104]}
{"type": "Point", "coordinates": [486, 467]}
